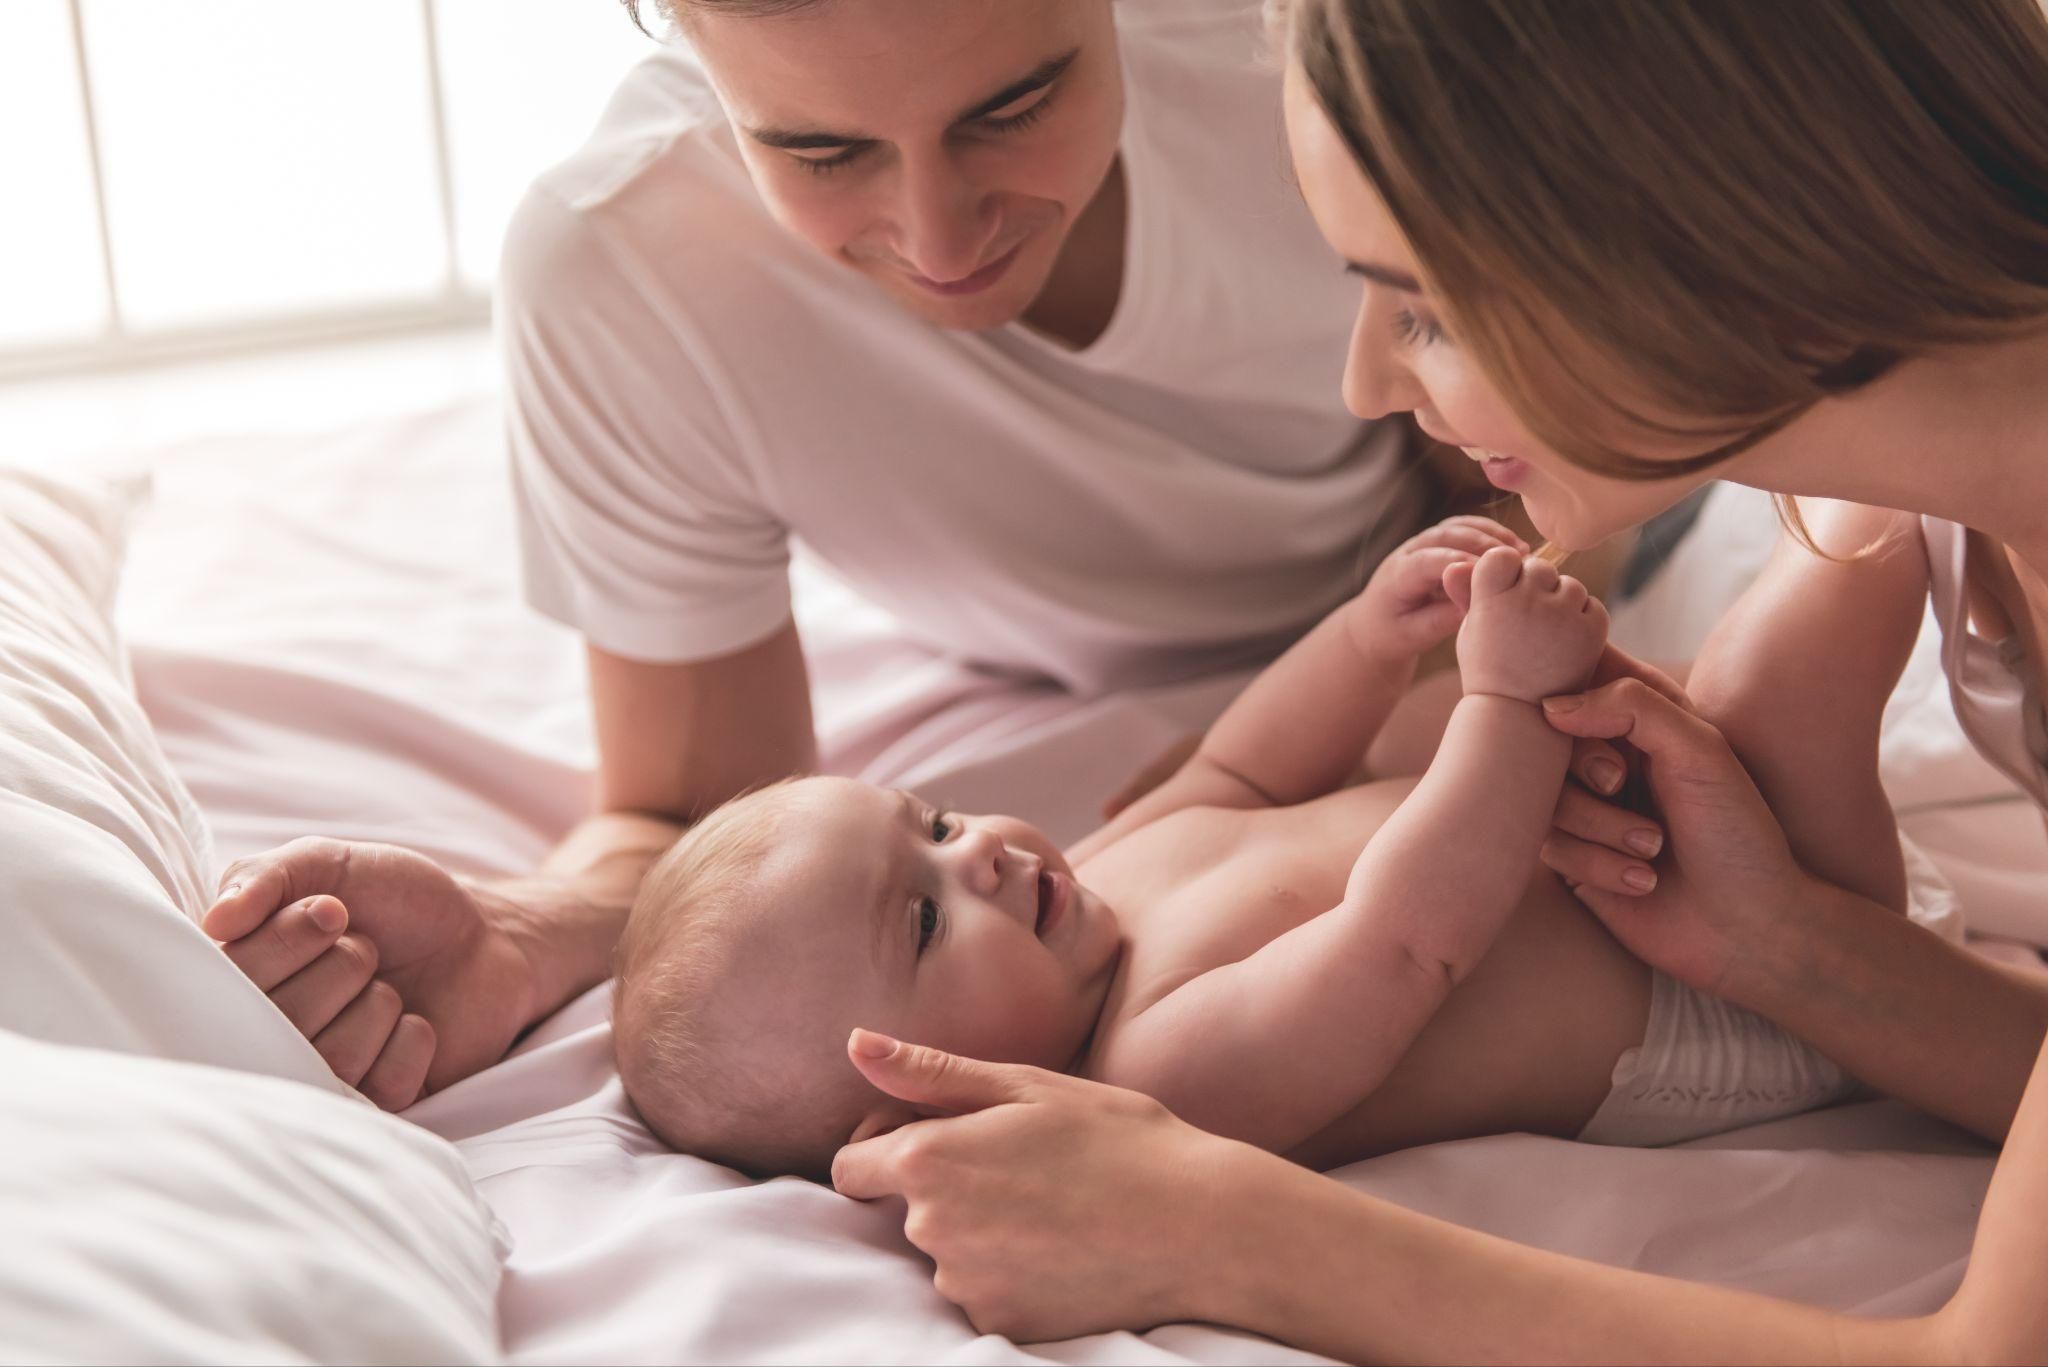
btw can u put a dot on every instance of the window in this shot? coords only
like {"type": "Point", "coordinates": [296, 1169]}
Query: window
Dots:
{"type": "Point", "coordinates": [185, 173]}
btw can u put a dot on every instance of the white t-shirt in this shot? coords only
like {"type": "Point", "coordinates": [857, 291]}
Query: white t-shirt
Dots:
{"type": "Point", "coordinates": [691, 386]}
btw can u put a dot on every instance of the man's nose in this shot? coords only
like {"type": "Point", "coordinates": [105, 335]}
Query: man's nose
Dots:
{"type": "Point", "coordinates": [946, 222]}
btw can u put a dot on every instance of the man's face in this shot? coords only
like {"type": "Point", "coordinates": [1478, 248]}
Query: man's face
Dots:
{"type": "Point", "coordinates": [942, 148]}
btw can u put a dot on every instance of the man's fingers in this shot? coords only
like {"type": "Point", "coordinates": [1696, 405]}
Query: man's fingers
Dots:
{"type": "Point", "coordinates": [286, 942]}
{"type": "Point", "coordinates": [1583, 863]}
{"type": "Point", "coordinates": [400, 1072]}
{"type": "Point", "coordinates": [935, 1080]}
{"type": "Point", "coordinates": [252, 889]}
{"type": "Point", "coordinates": [351, 1044]}
{"type": "Point", "coordinates": [318, 993]}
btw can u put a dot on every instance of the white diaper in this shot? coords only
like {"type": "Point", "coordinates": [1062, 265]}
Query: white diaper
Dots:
{"type": "Point", "coordinates": [1705, 1066]}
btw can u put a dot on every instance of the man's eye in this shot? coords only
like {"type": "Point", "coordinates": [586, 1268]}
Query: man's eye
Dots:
{"type": "Point", "coordinates": [941, 828]}
{"type": "Point", "coordinates": [928, 919]}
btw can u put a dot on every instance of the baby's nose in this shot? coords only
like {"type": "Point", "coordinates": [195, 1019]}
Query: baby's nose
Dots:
{"type": "Point", "coordinates": [986, 857]}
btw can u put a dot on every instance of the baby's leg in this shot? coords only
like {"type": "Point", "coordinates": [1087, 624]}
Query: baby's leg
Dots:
{"type": "Point", "coordinates": [1797, 676]}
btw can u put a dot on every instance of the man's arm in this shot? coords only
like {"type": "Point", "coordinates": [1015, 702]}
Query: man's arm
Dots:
{"type": "Point", "coordinates": [431, 978]}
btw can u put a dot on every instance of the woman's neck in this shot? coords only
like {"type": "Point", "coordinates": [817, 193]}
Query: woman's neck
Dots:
{"type": "Point", "coordinates": [1961, 435]}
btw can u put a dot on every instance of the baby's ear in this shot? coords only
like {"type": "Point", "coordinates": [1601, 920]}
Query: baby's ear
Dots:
{"type": "Point", "coordinates": [884, 1114]}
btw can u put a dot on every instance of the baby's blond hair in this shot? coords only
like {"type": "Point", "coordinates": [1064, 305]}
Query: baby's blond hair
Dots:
{"type": "Point", "coordinates": [707, 1080]}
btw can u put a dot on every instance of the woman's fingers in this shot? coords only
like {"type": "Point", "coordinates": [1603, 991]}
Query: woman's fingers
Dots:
{"type": "Point", "coordinates": [286, 942]}
{"type": "Point", "coordinates": [1679, 741]}
{"type": "Point", "coordinates": [395, 1080]}
{"type": "Point", "coordinates": [314, 996]}
{"type": "Point", "coordinates": [1600, 766]}
{"type": "Point", "coordinates": [938, 1082]}
{"type": "Point", "coordinates": [352, 1042]}
{"type": "Point", "coordinates": [1584, 864]}
{"type": "Point", "coordinates": [1581, 814]}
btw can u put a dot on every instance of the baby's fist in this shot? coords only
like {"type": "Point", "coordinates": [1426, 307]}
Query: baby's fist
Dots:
{"type": "Point", "coordinates": [1529, 631]}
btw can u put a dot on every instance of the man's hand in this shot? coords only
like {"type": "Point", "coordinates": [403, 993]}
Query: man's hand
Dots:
{"type": "Point", "coordinates": [429, 983]}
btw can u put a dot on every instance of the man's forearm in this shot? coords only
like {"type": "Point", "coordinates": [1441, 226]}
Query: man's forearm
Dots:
{"type": "Point", "coordinates": [1894, 1004]}
{"type": "Point", "coordinates": [567, 916]}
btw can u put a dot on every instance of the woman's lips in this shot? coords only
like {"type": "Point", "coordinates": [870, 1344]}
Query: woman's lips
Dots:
{"type": "Point", "coordinates": [969, 284]}
{"type": "Point", "coordinates": [1502, 472]}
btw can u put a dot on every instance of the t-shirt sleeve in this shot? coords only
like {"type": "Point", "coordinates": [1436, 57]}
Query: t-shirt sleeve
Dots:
{"type": "Point", "coordinates": [641, 522]}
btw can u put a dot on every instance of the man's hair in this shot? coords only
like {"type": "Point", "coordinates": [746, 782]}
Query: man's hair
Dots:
{"type": "Point", "coordinates": [710, 1076]}
{"type": "Point", "coordinates": [674, 10]}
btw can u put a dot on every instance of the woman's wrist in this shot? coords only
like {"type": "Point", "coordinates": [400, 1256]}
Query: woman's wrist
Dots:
{"type": "Point", "coordinates": [1264, 1212]}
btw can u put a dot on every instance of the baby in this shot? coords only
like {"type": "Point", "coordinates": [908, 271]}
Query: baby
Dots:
{"type": "Point", "coordinates": [1327, 972]}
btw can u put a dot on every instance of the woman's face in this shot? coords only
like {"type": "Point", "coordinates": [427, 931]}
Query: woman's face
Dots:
{"type": "Point", "coordinates": [1401, 360]}
{"type": "Point", "coordinates": [943, 150]}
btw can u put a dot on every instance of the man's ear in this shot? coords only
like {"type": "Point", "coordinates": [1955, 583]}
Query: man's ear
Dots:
{"type": "Point", "coordinates": [884, 1114]}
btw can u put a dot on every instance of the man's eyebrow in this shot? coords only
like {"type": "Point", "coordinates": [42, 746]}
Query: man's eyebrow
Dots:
{"type": "Point", "coordinates": [1042, 76]}
{"type": "Point", "coordinates": [1385, 275]}
{"type": "Point", "coordinates": [812, 140]}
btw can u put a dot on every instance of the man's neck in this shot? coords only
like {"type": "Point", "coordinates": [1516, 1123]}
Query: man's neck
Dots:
{"type": "Point", "coordinates": [1080, 296]}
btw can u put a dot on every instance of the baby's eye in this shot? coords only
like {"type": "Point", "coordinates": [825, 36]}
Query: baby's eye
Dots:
{"type": "Point", "coordinates": [928, 919]}
{"type": "Point", "coordinates": [941, 828]}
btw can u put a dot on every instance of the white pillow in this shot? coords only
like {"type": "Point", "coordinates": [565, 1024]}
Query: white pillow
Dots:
{"type": "Point", "coordinates": [158, 1210]}
{"type": "Point", "coordinates": [102, 855]}
{"type": "Point", "coordinates": [169, 1212]}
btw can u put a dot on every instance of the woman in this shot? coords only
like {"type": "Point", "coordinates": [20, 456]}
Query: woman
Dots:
{"type": "Point", "coordinates": [1614, 251]}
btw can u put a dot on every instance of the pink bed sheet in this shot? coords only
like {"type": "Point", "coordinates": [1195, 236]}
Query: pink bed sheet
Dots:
{"type": "Point", "coordinates": [329, 639]}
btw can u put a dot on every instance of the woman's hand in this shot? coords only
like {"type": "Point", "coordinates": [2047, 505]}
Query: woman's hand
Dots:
{"type": "Point", "coordinates": [1723, 879]}
{"type": "Point", "coordinates": [1053, 1206]}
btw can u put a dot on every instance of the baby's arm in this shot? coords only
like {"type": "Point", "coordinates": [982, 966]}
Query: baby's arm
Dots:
{"type": "Point", "coordinates": [1273, 1048]}
{"type": "Point", "coordinates": [1298, 730]}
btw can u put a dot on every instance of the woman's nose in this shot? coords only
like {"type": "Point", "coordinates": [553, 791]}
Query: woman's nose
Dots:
{"type": "Point", "coordinates": [1377, 380]}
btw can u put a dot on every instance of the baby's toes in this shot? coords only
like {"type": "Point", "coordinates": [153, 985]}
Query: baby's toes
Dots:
{"type": "Point", "coordinates": [1543, 576]}
{"type": "Point", "coordinates": [1497, 572]}
{"type": "Point", "coordinates": [1571, 592]}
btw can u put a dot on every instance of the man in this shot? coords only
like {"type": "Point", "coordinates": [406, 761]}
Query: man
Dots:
{"type": "Point", "coordinates": [1007, 308]}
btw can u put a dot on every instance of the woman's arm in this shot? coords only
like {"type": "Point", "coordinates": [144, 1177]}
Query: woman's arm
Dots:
{"type": "Point", "coordinates": [1734, 914]}
{"type": "Point", "coordinates": [1056, 1207]}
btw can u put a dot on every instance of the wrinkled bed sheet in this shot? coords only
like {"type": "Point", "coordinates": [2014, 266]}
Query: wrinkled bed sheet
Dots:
{"type": "Point", "coordinates": [328, 635]}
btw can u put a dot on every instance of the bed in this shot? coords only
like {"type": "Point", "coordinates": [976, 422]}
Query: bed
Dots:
{"type": "Point", "coordinates": [327, 636]}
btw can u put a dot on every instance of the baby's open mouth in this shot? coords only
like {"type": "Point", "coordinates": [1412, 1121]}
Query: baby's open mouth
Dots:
{"type": "Point", "coordinates": [1055, 894]}
{"type": "Point", "coordinates": [1046, 898]}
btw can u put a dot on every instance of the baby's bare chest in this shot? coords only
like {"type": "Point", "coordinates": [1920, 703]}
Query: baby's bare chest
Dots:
{"type": "Point", "coordinates": [1209, 887]}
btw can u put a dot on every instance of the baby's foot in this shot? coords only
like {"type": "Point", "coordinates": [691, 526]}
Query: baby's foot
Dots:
{"type": "Point", "coordinates": [1530, 631]}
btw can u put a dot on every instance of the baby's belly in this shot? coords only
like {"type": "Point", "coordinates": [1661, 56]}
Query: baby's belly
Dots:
{"type": "Point", "coordinates": [1527, 1043]}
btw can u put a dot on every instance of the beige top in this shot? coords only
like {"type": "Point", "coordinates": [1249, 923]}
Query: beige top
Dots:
{"type": "Point", "coordinates": [1996, 701]}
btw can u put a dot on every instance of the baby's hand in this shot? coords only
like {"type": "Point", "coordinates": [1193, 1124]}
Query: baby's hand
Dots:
{"type": "Point", "coordinates": [1529, 631]}
{"type": "Point", "coordinates": [1404, 609]}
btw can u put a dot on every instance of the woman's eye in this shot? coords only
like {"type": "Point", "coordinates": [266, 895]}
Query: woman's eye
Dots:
{"type": "Point", "coordinates": [928, 918]}
{"type": "Point", "coordinates": [941, 828]}
{"type": "Point", "coordinates": [1414, 331]}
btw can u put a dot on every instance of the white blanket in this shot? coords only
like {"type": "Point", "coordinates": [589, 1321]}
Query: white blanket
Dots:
{"type": "Point", "coordinates": [332, 643]}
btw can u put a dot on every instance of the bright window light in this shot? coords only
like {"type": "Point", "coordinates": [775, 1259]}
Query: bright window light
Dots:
{"type": "Point", "coordinates": [265, 157]}
{"type": "Point", "coordinates": [52, 289]}
{"type": "Point", "coordinates": [524, 81]}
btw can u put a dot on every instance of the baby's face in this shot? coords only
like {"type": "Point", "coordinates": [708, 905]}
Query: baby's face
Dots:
{"type": "Point", "coordinates": [965, 932]}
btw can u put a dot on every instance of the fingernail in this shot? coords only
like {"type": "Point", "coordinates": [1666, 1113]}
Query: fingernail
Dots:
{"type": "Point", "coordinates": [1644, 843]}
{"type": "Point", "coordinates": [1639, 877]}
{"type": "Point", "coordinates": [868, 1044]}
{"type": "Point", "coordinates": [1565, 702]}
{"type": "Point", "coordinates": [229, 891]}
{"type": "Point", "coordinates": [1604, 774]}
{"type": "Point", "coordinates": [329, 916]}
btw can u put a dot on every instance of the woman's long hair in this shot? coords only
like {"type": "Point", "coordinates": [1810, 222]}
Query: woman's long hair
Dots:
{"type": "Point", "coordinates": [1739, 207]}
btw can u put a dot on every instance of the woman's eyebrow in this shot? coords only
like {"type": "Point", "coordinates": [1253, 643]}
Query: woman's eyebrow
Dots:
{"type": "Point", "coordinates": [1385, 275]}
